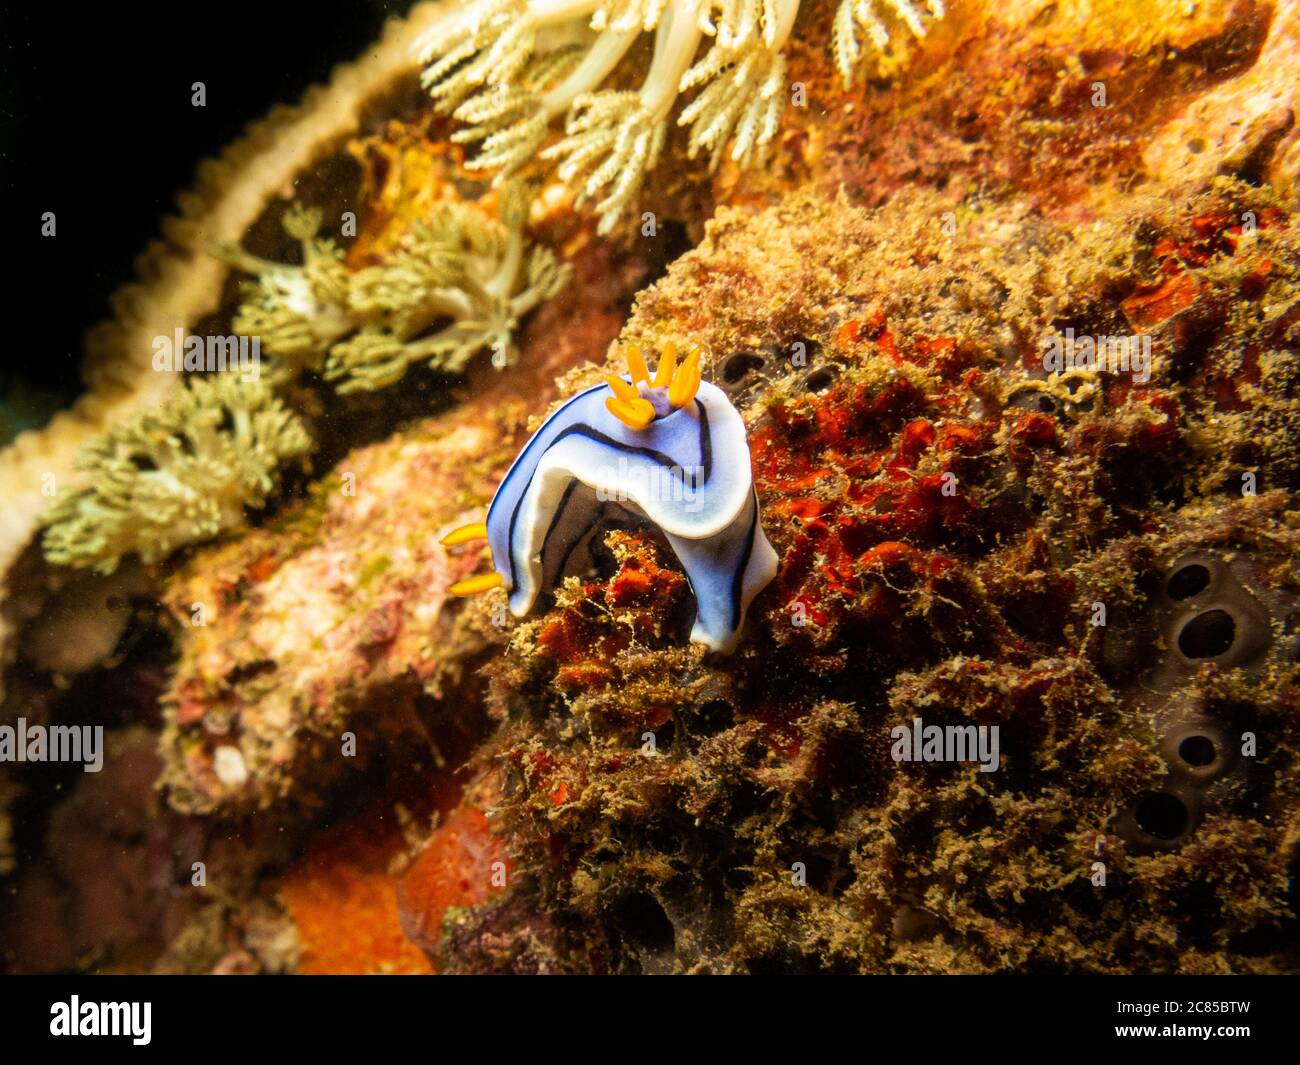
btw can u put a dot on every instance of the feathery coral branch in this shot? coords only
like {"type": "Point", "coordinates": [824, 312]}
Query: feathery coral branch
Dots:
{"type": "Point", "coordinates": [458, 283]}
{"type": "Point", "coordinates": [295, 310]}
{"type": "Point", "coordinates": [176, 474]}
{"type": "Point", "coordinates": [862, 17]}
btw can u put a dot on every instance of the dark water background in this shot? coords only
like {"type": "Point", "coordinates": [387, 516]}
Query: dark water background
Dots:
{"type": "Point", "coordinates": [97, 125]}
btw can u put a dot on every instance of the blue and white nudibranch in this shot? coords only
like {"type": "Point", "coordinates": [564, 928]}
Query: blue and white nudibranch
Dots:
{"type": "Point", "coordinates": [671, 451]}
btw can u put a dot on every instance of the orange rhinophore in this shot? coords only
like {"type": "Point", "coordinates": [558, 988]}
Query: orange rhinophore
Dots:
{"type": "Point", "coordinates": [639, 402]}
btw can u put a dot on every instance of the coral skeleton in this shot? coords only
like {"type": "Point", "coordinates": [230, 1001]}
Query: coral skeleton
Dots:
{"type": "Point", "coordinates": [459, 283]}
{"type": "Point", "coordinates": [486, 67]}
{"type": "Point", "coordinates": [668, 451]}
{"type": "Point", "coordinates": [176, 474]}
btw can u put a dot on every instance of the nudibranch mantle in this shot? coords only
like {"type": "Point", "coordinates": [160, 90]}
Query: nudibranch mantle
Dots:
{"type": "Point", "coordinates": [687, 472]}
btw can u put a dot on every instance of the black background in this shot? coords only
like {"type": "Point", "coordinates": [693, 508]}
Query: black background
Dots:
{"type": "Point", "coordinates": [97, 125]}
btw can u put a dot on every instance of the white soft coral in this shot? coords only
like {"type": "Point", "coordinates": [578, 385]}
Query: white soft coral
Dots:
{"type": "Point", "coordinates": [613, 139]}
{"type": "Point", "coordinates": [486, 67]}
{"type": "Point", "coordinates": [744, 79]}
